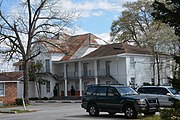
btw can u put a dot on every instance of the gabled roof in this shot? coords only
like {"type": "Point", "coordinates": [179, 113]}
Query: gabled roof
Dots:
{"type": "Point", "coordinates": [80, 41]}
{"type": "Point", "coordinates": [53, 45]}
{"type": "Point", "coordinates": [115, 49]}
{"type": "Point", "coordinates": [70, 45]}
{"type": "Point", "coordinates": [10, 76]}
{"type": "Point", "coordinates": [20, 62]}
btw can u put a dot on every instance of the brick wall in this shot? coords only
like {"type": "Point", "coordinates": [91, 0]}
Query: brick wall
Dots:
{"type": "Point", "coordinates": [10, 93]}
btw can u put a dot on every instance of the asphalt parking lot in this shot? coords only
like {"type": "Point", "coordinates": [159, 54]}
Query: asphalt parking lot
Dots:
{"type": "Point", "coordinates": [53, 111]}
{"type": "Point", "coordinates": [56, 111]}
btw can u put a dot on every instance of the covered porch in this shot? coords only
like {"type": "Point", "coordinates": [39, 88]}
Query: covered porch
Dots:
{"type": "Point", "coordinates": [80, 74]}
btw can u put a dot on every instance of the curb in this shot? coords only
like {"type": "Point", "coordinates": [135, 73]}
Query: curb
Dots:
{"type": "Point", "coordinates": [56, 101]}
{"type": "Point", "coordinates": [9, 112]}
{"type": "Point", "coordinates": [15, 112]}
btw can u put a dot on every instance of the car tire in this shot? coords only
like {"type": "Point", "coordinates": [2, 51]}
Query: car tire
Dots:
{"type": "Point", "coordinates": [130, 112]}
{"type": "Point", "coordinates": [93, 110]}
{"type": "Point", "coordinates": [112, 113]}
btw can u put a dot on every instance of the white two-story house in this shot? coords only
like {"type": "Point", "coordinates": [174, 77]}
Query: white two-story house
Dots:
{"type": "Point", "coordinates": [85, 59]}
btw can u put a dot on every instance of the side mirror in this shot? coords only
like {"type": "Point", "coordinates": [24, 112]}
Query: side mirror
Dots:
{"type": "Point", "coordinates": [168, 94]}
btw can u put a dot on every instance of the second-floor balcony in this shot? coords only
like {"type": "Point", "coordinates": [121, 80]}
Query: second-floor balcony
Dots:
{"type": "Point", "coordinates": [84, 74]}
{"type": "Point", "coordinates": [72, 75]}
{"type": "Point", "coordinates": [88, 73]}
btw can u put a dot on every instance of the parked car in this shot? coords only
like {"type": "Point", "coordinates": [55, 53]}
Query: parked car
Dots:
{"type": "Point", "coordinates": [117, 99]}
{"type": "Point", "coordinates": [165, 94]}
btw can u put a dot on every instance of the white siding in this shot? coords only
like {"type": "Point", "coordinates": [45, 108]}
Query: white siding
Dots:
{"type": "Point", "coordinates": [143, 71]}
{"type": "Point", "coordinates": [58, 69]}
{"type": "Point", "coordinates": [32, 90]}
{"type": "Point", "coordinates": [118, 69]}
{"type": "Point", "coordinates": [44, 89]}
{"type": "Point", "coordinates": [20, 89]}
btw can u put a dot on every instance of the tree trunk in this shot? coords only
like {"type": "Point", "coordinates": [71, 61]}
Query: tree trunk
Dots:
{"type": "Point", "coordinates": [37, 86]}
{"type": "Point", "coordinates": [158, 69]}
{"type": "Point", "coordinates": [39, 90]}
{"type": "Point", "coordinates": [26, 82]}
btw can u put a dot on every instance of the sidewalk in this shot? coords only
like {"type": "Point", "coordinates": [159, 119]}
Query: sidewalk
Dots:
{"type": "Point", "coordinates": [55, 101]}
{"type": "Point", "coordinates": [34, 105]}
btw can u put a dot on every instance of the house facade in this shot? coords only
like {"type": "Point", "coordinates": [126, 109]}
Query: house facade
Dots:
{"type": "Point", "coordinates": [109, 64]}
{"type": "Point", "coordinates": [9, 86]}
{"type": "Point", "coordinates": [74, 62]}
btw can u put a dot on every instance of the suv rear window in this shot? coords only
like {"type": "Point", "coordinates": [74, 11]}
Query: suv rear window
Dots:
{"type": "Point", "coordinates": [126, 91]}
{"type": "Point", "coordinates": [148, 90]}
{"type": "Point", "coordinates": [112, 91]}
{"type": "Point", "coordinates": [163, 91]}
{"type": "Point", "coordinates": [101, 91]}
{"type": "Point", "coordinates": [90, 90]}
{"type": "Point", "coordinates": [153, 90]}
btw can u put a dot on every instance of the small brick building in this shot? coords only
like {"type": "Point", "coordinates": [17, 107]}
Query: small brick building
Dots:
{"type": "Point", "coordinates": [9, 86]}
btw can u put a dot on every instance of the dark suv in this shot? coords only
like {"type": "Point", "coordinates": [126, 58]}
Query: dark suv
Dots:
{"type": "Point", "coordinates": [117, 99]}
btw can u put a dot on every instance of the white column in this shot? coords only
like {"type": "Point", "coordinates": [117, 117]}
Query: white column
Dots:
{"type": "Point", "coordinates": [65, 87]}
{"type": "Point", "coordinates": [80, 78]}
{"type": "Point", "coordinates": [65, 80]}
{"type": "Point", "coordinates": [128, 78]}
{"type": "Point", "coordinates": [95, 72]}
{"type": "Point", "coordinates": [80, 86]}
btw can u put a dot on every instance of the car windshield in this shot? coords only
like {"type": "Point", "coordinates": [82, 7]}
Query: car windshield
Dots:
{"type": "Point", "coordinates": [126, 91]}
{"type": "Point", "coordinates": [173, 91]}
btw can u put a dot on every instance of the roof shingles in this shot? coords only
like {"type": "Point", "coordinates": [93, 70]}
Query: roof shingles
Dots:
{"type": "Point", "coordinates": [70, 45]}
{"type": "Point", "coordinates": [116, 48]}
{"type": "Point", "coordinates": [10, 76]}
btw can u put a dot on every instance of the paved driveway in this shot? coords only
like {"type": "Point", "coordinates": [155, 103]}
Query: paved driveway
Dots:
{"type": "Point", "coordinates": [56, 111]}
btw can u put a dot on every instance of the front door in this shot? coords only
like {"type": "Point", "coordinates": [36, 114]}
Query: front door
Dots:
{"type": "Point", "coordinates": [85, 69]}
{"type": "Point", "coordinates": [57, 87]}
{"type": "Point", "coordinates": [107, 68]}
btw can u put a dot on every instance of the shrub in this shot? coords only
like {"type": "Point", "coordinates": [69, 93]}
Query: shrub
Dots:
{"type": "Point", "coordinates": [19, 101]}
{"type": "Point", "coordinates": [146, 84]}
{"type": "Point", "coordinates": [170, 114]}
{"type": "Point", "coordinates": [35, 98]}
{"type": "Point", "coordinates": [45, 98]}
{"type": "Point", "coordinates": [176, 105]}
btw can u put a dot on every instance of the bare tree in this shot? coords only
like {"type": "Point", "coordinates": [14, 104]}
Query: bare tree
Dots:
{"type": "Point", "coordinates": [136, 25]}
{"type": "Point", "coordinates": [36, 76]}
{"type": "Point", "coordinates": [21, 28]}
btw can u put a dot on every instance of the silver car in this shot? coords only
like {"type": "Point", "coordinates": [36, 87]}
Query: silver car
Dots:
{"type": "Point", "coordinates": [165, 94]}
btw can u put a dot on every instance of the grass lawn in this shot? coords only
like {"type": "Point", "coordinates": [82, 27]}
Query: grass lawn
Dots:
{"type": "Point", "coordinates": [22, 111]}
{"type": "Point", "coordinates": [156, 117]}
{"type": "Point", "coordinates": [14, 111]}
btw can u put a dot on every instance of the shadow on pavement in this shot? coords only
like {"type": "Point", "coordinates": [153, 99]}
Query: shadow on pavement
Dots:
{"type": "Point", "coordinates": [101, 116]}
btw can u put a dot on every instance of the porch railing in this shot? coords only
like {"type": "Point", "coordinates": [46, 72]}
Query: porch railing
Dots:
{"type": "Point", "coordinates": [89, 74]}
{"type": "Point", "coordinates": [72, 75]}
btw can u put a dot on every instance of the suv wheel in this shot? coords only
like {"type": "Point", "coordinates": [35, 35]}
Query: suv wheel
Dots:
{"type": "Point", "coordinates": [130, 112]}
{"type": "Point", "coordinates": [93, 110]}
